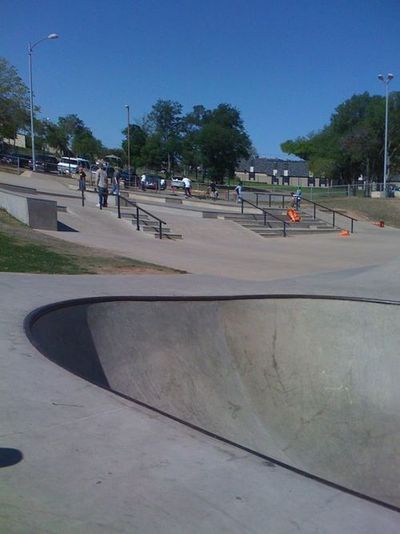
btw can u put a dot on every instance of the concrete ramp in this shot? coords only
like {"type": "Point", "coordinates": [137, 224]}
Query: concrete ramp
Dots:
{"type": "Point", "coordinates": [312, 382]}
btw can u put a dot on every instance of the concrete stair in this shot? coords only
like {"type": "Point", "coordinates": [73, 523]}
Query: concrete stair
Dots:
{"type": "Point", "coordinates": [149, 225]}
{"type": "Point", "coordinates": [274, 228]}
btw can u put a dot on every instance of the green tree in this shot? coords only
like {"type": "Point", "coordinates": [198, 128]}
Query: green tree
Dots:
{"type": "Point", "coordinates": [86, 145]}
{"type": "Point", "coordinates": [223, 141]}
{"type": "Point", "coordinates": [353, 142]}
{"type": "Point", "coordinates": [70, 136]}
{"type": "Point", "coordinates": [164, 125]}
{"type": "Point", "coordinates": [137, 142]}
{"type": "Point", "coordinates": [192, 124]}
{"type": "Point", "coordinates": [14, 101]}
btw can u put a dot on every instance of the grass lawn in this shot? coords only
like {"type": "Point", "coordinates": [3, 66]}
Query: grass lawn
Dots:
{"type": "Point", "coordinates": [372, 209]}
{"type": "Point", "coordinates": [23, 250]}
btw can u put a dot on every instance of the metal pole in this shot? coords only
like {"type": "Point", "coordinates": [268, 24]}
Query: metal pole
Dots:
{"type": "Point", "coordinates": [386, 81]}
{"type": "Point", "coordinates": [386, 138]}
{"type": "Point", "coordinates": [30, 49]}
{"type": "Point", "coordinates": [129, 145]}
{"type": "Point", "coordinates": [119, 205]}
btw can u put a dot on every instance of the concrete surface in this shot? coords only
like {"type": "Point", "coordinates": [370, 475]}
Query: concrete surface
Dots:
{"type": "Point", "coordinates": [299, 380]}
{"type": "Point", "coordinates": [96, 462]}
{"type": "Point", "coordinates": [35, 212]}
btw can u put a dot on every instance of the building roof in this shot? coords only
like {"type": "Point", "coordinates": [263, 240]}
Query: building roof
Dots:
{"type": "Point", "coordinates": [268, 165]}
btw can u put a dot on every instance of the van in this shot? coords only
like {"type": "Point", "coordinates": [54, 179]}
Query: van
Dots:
{"type": "Point", "coordinates": [71, 165]}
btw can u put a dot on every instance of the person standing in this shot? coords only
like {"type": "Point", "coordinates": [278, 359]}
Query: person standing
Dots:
{"type": "Point", "coordinates": [102, 186]}
{"type": "Point", "coordinates": [187, 184]}
{"type": "Point", "coordinates": [115, 181]}
{"type": "Point", "coordinates": [82, 179]}
{"type": "Point", "coordinates": [238, 191]}
{"type": "Point", "coordinates": [213, 190]}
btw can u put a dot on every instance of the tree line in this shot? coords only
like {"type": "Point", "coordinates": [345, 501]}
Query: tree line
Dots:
{"type": "Point", "coordinates": [210, 142]}
{"type": "Point", "coordinates": [352, 144]}
{"type": "Point", "coordinates": [206, 141]}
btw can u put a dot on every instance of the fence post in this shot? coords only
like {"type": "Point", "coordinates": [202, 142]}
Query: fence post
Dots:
{"type": "Point", "coordinates": [265, 218]}
{"type": "Point", "coordinates": [315, 211]}
{"type": "Point", "coordinates": [160, 224]}
{"type": "Point", "coordinates": [242, 204]}
{"type": "Point", "coordinates": [333, 219]}
{"type": "Point", "coordinates": [83, 195]}
{"type": "Point", "coordinates": [119, 205]}
{"type": "Point", "coordinates": [269, 200]}
{"type": "Point", "coordinates": [137, 218]}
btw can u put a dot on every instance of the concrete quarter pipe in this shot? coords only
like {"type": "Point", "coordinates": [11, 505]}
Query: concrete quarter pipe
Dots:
{"type": "Point", "coordinates": [309, 382]}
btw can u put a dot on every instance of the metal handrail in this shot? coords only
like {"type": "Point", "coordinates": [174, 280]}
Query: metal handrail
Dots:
{"type": "Point", "coordinates": [315, 204]}
{"type": "Point", "coordinates": [352, 219]}
{"type": "Point", "coordinates": [265, 212]}
{"type": "Point", "coordinates": [138, 210]}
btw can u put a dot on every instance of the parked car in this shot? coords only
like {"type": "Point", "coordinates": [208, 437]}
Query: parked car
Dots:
{"type": "Point", "coordinates": [45, 164]}
{"type": "Point", "coordinates": [152, 181]}
{"type": "Point", "coordinates": [20, 160]}
{"type": "Point", "coordinates": [176, 182]}
{"type": "Point", "coordinates": [130, 178]}
{"type": "Point", "coordinates": [71, 165]}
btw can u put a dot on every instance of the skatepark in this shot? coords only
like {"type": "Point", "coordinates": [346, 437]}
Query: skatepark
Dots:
{"type": "Point", "coordinates": [255, 393]}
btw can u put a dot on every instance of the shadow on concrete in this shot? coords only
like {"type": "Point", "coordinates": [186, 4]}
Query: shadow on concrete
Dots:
{"type": "Point", "coordinates": [9, 457]}
{"type": "Point", "coordinates": [61, 227]}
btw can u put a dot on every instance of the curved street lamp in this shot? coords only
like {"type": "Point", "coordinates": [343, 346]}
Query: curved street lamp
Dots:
{"type": "Point", "coordinates": [386, 81]}
{"type": "Point", "coordinates": [30, 50]}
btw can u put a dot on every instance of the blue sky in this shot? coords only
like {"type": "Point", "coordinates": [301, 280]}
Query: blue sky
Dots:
{"type": "Point", "coordinates": [284, 64]}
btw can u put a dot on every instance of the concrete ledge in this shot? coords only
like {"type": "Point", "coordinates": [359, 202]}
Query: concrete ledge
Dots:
{"type": "Point", "coordinates": [35, 212]}
{"type": "Point", "coordinates": [172, 200]}
{"type": "Point", "coordinates": [19, 189]}
{"type": "Point", "coordinates": [377, 194]}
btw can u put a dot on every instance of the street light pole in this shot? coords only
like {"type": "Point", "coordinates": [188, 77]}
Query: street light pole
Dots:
{"type": "Point", "coordinates": [386, 81]}
{"type": "Point", "coordinates": [129, 145]}
{"type": "Point", "coordinates": [30, 50]}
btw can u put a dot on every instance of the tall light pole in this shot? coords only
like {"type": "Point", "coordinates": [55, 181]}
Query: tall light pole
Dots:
{"type": "Point", "coordinates": [386, 81]}
{"type": "Point", "coordinates": [30, 50]}
{"type": "Point", "coordinates": [129, 145]}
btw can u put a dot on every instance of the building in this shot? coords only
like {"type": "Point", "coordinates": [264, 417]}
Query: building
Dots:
{"type": "Point", "coordinates": [278, 172]}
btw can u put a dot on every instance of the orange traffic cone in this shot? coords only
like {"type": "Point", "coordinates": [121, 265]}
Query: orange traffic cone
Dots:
{"type": "Point", "coordinates": [344, 233]}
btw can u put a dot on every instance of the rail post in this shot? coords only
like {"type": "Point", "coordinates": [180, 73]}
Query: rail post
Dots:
{"type": "Point", "coordinates": [119, 205]}
{"type": "Point", "coordinates": [137, 218]}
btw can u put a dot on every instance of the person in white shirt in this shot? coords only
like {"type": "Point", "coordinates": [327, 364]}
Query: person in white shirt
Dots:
{"type": "Point", "coordinates": [187, 184]}
{"type": "Point", "coordinates": [102, 186]}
